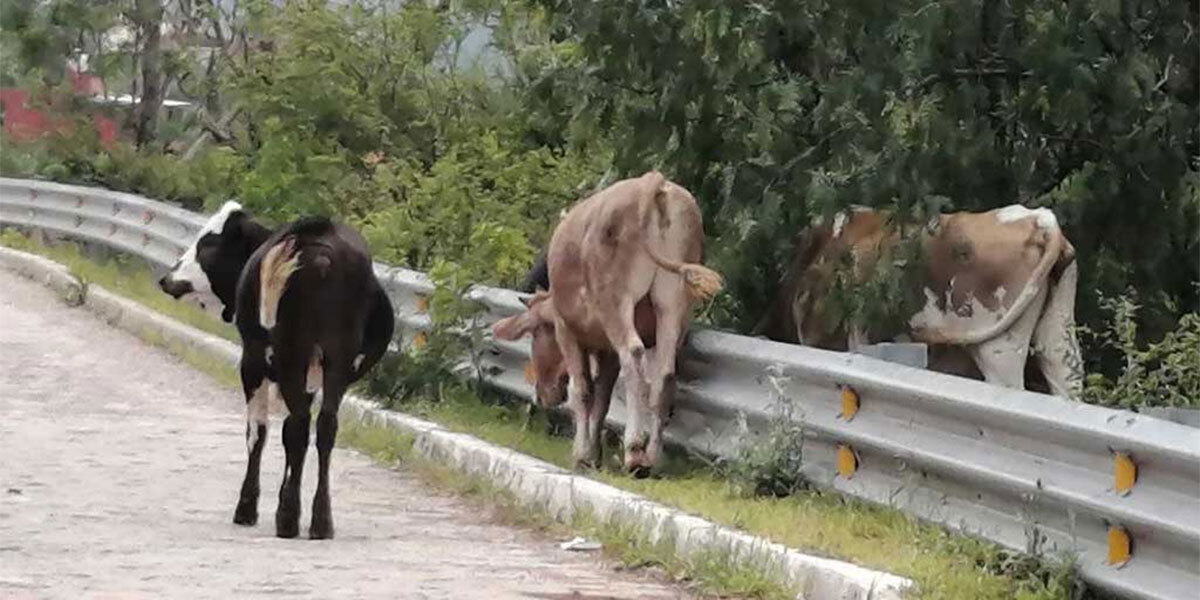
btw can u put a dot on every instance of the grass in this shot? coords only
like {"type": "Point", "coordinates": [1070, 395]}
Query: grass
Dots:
{"type": "Point", "coordinates": [131, 278]}
{"type": "Point", "coordinates": [712, 575]}
{"type": "Point", "coordinates": [944, 565]}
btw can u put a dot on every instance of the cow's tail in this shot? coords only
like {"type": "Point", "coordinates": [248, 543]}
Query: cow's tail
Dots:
{"type": "Point", "coordinates": [702, 282]}
{"type": "Point", "coordinates": [1031, 291]}
{"type": "Point", "coordinates": [277, 266]}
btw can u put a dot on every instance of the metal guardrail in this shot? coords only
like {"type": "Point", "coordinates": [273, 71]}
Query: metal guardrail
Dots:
{"type": "Point", "coordinates": [1117, 490]}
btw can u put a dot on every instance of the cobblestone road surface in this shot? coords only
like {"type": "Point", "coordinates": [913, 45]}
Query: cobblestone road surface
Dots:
{"type": "Point", "coordinates": [119, 471]}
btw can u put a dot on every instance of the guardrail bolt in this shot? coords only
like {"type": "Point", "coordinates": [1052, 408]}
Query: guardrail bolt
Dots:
{"type": "Point", "coordinates": [146, 218]}
{"type": "Point", "coordinates": [1120, 546]}
{"type": "Point", "coordinates": [116, 209]}
{"type": "Point", "coordinates": [849, 403]}
{"type": "Point", "coordinates": [847, 461]}
{"type": "Point", "coordinates": [78, 221]}
{"type": "Point", "coordinates": [145, 239]}
{"type": "Point", "coordinates": [33, 195]}
{"type": "Point", "coordinates": [1125, 473]}
{"type": "Point", "coordinates": [112, 229]}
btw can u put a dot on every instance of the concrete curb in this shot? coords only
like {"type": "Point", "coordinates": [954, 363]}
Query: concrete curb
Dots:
{"type": "Point", "coordinates": [46, 272]}
{"type": "Point", "coordinates": [535, 483]}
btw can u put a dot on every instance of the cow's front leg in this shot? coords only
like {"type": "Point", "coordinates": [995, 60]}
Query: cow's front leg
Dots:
{"type": "Point", "coordinates": [608, 367]}
{"type": "Point", "coordinates": [579, 395]}
{"type": "Point", "coordinates": [258, 390]}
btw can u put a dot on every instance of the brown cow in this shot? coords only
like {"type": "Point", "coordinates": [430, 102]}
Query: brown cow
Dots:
{"type": "Point", "coordinates": [993, 282]}
{"type": "Point", "coordinates": [623, 275]}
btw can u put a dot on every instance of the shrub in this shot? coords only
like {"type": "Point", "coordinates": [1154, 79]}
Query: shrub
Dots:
{"type": "Point", "coordinates": [768, 462]}
{"type": "Point", "coordinates": [1164, 373]}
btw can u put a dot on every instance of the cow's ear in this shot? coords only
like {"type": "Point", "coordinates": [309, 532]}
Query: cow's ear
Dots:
{"type": "Point", "coordinates": [232, 231]}
{"type": "Point", "coordinates": [515, 327]}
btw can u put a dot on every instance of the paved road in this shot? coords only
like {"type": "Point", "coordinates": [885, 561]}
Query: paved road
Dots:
{"type": "Point", "coordinates": [119, 471]}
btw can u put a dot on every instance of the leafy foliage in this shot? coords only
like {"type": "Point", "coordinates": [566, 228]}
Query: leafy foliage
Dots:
{"type": "Point", "coordinates": [768, 462]}
{"type": "Point", "coordinates": [771, 113]}
{"type": "Point", "coordinates": [1157, 374]}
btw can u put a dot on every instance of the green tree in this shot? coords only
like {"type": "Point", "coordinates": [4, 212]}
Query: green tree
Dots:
{"type": "Point", "coordinates": [773, 112]}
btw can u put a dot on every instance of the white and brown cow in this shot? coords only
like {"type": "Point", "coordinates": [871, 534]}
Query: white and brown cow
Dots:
{"type": "Point", "coordinates": [312, 317]}
{"type": "Point", "coordinates": [995, 283]}
{"type": "Point", "coordinates": [623, 273]}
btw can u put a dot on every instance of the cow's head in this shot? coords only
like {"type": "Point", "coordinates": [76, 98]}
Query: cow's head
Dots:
{"type": "Point", "coordinates": [208, 271]}
{"type": "Point", "coordinates": [549, 368]}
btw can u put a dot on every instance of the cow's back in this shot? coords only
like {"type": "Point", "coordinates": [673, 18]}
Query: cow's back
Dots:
{"type": "Point", "coordinates": [978, 264]}
{"type": "Point", "coordinates": [329, 293]}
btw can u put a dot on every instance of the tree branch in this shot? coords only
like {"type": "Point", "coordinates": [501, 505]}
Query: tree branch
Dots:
{"type": "Point", "coordinates": [976, 72]}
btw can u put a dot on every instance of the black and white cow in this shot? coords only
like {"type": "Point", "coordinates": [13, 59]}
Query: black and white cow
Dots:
{"type": "Point", "coordinates": [311, 315]}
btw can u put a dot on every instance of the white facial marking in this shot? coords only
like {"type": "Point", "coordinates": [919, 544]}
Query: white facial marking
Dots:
{"type": "Point", "coordinates": [256, 411]}
{"type": "Point", "coordinates": [1015, 212]}
{"type": "Point", "coordinates": [839, 222]}
{"type": "Point", "coordinates": [358, 361]}
{"type": "Point", "coordinates": [188, 269]}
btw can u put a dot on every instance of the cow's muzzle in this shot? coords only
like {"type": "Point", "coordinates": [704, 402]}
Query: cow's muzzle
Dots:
{"type": "Point", "coordinates": [549, 396]}
{"type": "Point", "coordinates": [174, 288]}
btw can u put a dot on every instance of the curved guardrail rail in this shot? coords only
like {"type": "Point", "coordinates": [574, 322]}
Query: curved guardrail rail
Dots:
{"type": "Point", "coordinates": [1036, 473]}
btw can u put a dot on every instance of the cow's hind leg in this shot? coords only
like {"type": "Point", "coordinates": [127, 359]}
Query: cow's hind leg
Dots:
{"type": "Point", "coordinates": [333, 388]}
{"type": "Point", "coordinates": [672, 312]}
{"type": "Point", "coordinates": [1054, 338]}
{"type": "Point", "coordinates": [1002, 358]}
{"type": "Point", "coordinates": [631, 352]}
{"type": "Point", "coordinates": [257, 388]}
{"type": "Point", "coordinates": [295, 444]}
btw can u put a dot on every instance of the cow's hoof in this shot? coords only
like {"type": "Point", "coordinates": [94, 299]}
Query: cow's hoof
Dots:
{"type": "Point", "coordinates": [321, 530]}
{"type": "Point", "coordinates": [639, 471]}
{"type": "Point", "coordinates": [586, 464]}
{"type": "Point", "coordinates": [246, 514]}
{"type": "Point", "coordinates": [287, 527]}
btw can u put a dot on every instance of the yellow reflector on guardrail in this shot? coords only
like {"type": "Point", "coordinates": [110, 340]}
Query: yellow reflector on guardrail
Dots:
{"type": "Point", "coordinates": [849, 403]}
{"type": "Point", "coordinates": [1119, 546]}
{"type": "Point", "coordinates": [847, 462]}
{"type": "Point", "coordinates": [1125, 472]}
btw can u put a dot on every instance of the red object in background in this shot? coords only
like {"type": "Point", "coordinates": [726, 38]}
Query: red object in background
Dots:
{"type": "Point", "coordinates": [23, 123]}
